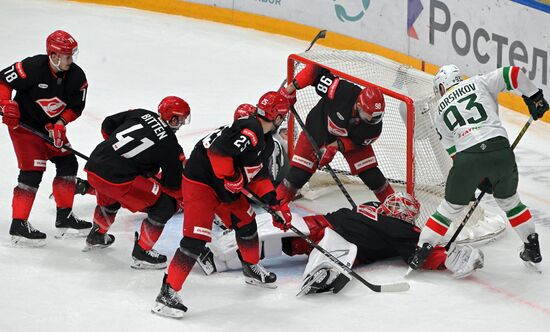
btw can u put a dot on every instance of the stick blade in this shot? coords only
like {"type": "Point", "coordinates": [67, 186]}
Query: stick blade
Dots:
{"type": "Point", "coordinates": [397, 287]}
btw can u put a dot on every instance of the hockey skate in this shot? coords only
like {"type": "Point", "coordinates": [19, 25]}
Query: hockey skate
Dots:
{"type": "Point", "coordinates": [24, 235]}
{"type": "Point", "coordinates": [206, 262]}
{"type": "Point", "coordinates": [531, 253]}
{"type": "Point", "coordinates": [323, 279]}
{"type": "Point", "coordinates": [257, 275]}
{"type": "Point", "coordinates": [146, 259]}
{"type": "Point", "coordinates": [96, 240]}
{"type": "Point", "coordinates": [168, 302]}
{"type": "Point", "coordinates": [70, 226]}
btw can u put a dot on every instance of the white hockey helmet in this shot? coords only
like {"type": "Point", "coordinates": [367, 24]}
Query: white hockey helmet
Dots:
{"type": "Point", "coordinates": [400, 205]}
{"type": "Point", "coordinates": [446, 77]}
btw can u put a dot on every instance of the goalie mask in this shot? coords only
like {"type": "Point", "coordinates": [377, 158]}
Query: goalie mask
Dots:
{"type": "Point", "coordinates": [174, 111]}
{"type": "Point", "coordinates": [402, 206]}
{"type": "Point", "coordinates": [446, 77]}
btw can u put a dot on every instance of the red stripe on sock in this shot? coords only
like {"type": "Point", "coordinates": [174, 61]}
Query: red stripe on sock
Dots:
{"type": "Point", "coordinates": [525, 216]}
{"type": "Point", "coordinates": [22, 203]}
{"type": "Point", "coordinates": [436, 227]}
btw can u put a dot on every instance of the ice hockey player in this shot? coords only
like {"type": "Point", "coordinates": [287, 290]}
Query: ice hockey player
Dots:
{"type": "Point", "coordinates": [138, 144]}
{"type": "Point", "coordinates": [215, 174]}
{"type": "Point", "coordinates": [278, 163]}
{"type": "Point", "coordinates": [471, 131]}
{"type": "Point", "coordinates": [346, 119]}
{"type": "Point", "coordinates": [50, 93]}
{"type": "Point", "coordinates": [370, 233]}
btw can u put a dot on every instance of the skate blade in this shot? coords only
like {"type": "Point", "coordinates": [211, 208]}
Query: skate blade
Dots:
{"type": "Point", "coordinates": [94, 247]}
{"type": "Point", "coordinates": [163, 310]}
{"type": "Point", "coordinates": [70, 233]}
{"type": "Point", "coordinates": [254, 282]}
{"type": "Point", "coordinates": [23, 242]}
{"type": "Point", "coordinates": [536, 267]}
{"type": "Point", "coordinates": [141, 265]}
{"type": "Point", "coordinates": [408, 273]}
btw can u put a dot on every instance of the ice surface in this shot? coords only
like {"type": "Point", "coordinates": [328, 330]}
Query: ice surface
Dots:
{"type": "Point", "coordinates": [133, 59]}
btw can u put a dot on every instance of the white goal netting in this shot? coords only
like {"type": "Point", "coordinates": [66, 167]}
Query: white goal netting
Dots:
{"type": "Point", "coordinates": [408, 151]}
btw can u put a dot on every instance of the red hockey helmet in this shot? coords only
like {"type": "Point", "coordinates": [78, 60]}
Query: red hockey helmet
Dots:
{"type": "Point", "coordinates": [243, 111]}
{"type": "Point", "coordinates": [371, 105]}
{"type": "Point", "coordinates": [174, 111]}
{"type": "Point", "coordinates": [61, 42]}
{"type": "Point", "coordinates": [401, 206]}
{"type": "Point", "coordinates": [272, 104]}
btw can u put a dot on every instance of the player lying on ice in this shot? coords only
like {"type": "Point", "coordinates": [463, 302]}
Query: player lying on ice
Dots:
{"type": "Point", "coordinates": [371, 233]}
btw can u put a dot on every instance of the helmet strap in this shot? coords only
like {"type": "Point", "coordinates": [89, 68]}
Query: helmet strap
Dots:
{"type": "Point", "coordinates": [55, 65]}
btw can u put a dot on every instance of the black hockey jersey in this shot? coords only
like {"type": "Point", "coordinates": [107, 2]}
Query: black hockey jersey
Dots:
{"type": "Point", "coordinates": [138, 143]}
{"type": "Point", "coordinates": [377, 236]}
{"type": "Point", "coordinates": [42, 95]}
{"type": "Point", "coordinates": [338, 98]}
{"type": "Point", "coordinates": [245, 142]}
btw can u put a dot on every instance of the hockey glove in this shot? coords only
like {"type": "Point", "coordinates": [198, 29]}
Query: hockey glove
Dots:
{"type": "Point", "coordinates": [282, 210]}
{"type": "Point", "coordinates": [11, 113]}
{"type": "Point", "coordinates": [536, 104]}
{"type": "Point", "coordinates": [234, 184]}
{"type": "Point", "coordinates": [464, 260]}
{"type": "Point", "coordinates": [286, 192]}
{"type": "Point", "coordinates": [328, 155]}
{"type": "Point", "coordinates": [290, 97]}
{"type": "Point", "coordinates": [57, 134]}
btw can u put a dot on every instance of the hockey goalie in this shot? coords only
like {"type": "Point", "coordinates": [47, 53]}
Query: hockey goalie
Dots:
{"type": "Point", "coordinates": [370, 233]}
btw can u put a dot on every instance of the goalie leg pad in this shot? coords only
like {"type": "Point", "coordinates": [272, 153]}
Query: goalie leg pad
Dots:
{"type": "Point", "coordinates": [338, 247]}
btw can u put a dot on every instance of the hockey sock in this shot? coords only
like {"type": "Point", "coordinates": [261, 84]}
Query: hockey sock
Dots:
{"type": "Point", "coordinates": [149, 234]}
{"type": "Point", "coordinates": [63, 191]}
{"type": "Point", "coordinates": [104, 218]}
{"type": "Point", "coordinates": [179, 269]}
{"type": "Point", "coordinates": [247, 241]}
{"type": "Point", "coordinates": [23, 198]}
{"type": "Point", "coordinates": [521, 220]}
{"type": "Point", "coordinates": [436, 227]}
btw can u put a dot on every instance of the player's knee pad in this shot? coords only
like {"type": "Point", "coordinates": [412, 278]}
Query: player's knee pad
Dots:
{"type": "Point", "coordinates": [30, 179]}
{"type": "Point", "coordinates": [373, 178]}
{"type": "Point", "coordinates": [66, 165]}
{"type": "Point", "coordinates": [162, 210]}
{"type": "Point", "coordinates": [509, 203]}
{"type": "Point", "coordinates": [192, 247]}
{"type": "Point", "coordinates": [449, 210]}
{"type": "Point", "coordinates": [248, 231]}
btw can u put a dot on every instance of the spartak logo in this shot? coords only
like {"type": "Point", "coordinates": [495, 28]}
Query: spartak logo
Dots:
{"type": "Point", "coordinates": [53, 106]}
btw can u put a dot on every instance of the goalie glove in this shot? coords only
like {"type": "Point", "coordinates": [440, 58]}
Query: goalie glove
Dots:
{"type": "Point", "coordinates": [464, 260]}
{"type": "Point", "coordinates": [536, 104]}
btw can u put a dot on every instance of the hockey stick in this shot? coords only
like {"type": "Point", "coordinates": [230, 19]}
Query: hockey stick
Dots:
{"type": "Point", "coordinates": [320, 35]}
{"type": "Point", "coordinates": [318, 153]}
{"type": "Point", "coordinates": [49, 139]}
{"type": "Point", "coordinates": [395, 287]}
{"type": "Point", "coordinates": [476, 203]}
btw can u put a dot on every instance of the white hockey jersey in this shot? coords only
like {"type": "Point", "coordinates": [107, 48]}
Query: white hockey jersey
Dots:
{"type": "Point", "coordinates": [468, 112]}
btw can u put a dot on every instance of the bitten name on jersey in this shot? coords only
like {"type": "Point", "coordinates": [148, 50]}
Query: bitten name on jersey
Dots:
{"type": "Point", "coordinates": [158, 127]}
{"type": "Point", "coordinates": [456, 94]}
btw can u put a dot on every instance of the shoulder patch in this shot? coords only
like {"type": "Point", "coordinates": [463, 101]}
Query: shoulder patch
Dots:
{"type": "Point", "coordinates": [251, 135]}
{"type": "Point", "coordinates": [20, 71]}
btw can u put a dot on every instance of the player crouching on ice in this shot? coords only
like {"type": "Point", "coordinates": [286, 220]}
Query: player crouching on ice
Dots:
{"type": "Point", "coordinates": [370, 233]}
{"type": "Point", "coordinates": [471, 131]}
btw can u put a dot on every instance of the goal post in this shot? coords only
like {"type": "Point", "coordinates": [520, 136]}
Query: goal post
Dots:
{"type": "Point", "coordinates": [409, 152]}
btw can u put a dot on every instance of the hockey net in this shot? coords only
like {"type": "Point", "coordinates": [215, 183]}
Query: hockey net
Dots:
{"type": "Point", "coordinates": [408, 151]}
